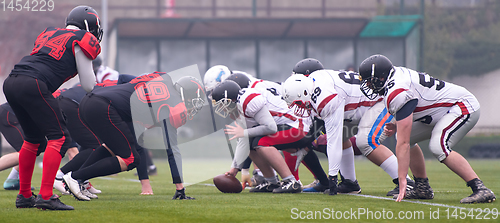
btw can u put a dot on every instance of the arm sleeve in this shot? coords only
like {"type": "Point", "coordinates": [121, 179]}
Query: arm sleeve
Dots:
{"type": "Point", "coordinates": [85, 71]}
{"type": "Point", "coordinates": [241, 153]}
{"type": "Point", "coordinates": [406, 110]}
{"type": "Point", "coordinates": [267, 125]}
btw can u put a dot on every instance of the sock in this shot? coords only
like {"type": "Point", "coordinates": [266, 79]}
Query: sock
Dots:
{"type": "Point", "coordinates": [103, 167]}
{"type": "Point", "coordinates": [290, 162]}
{"type": "Point", "coordinates": [59, 174]}
{"type": "Point", "coordinates": [390, 166]}
{"type": "Point", "coordinates": [291, 177]}
{"type": "Point", "coordinates": [312, 162]}
{"type": "Point", "coordinates": [273, 179]}
{"type": "Point", "coordinates": [347, 164]}
{"type": "Point", "coordinates": [77, 161]}
{"type": "Point", "coordinates": [27, 159]}
{"type": "Point", "coordinates": [51, 161]}
{"type": "Point", "coordinates": [14, 174]}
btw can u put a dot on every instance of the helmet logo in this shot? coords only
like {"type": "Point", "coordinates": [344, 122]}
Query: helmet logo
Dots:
{"type": "Point", "coordinates": [373, 70]}
{"type": "Point", "coordinates": [218, 79]}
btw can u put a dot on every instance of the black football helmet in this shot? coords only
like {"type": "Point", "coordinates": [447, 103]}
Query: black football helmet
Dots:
{"type": "Point", "coordinates": [307, 66]}
{"type": "Point", "coordinates": [224, 98]}
{"type": "Point", "coordinates": [192, 94]}
{"type": "Point", "coordinates": [85, 18]}
{"type": "Point", "coordinates": [241, 79]}
{"type": "Point", "coordinates": [374, 72]}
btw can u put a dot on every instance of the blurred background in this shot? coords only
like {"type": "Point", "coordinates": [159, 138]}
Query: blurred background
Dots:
{"type": "Point", "coordinates": [453, 40]}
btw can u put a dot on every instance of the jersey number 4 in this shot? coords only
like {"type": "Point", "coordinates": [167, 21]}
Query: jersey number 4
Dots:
{"type": "Point", "coordinates": [56, 44]}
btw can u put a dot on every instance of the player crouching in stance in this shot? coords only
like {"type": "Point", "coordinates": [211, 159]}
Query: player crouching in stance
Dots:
{"type": "Point", "coordinates": [425, 108]}
{"type": "Point", "coordinates": [273, 128]}
{"type": "Point", "coordinates": [117, 114]}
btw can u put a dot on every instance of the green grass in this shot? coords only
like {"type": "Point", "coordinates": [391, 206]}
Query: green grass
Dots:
{"type": "Point", "coordinates": [121, 202]}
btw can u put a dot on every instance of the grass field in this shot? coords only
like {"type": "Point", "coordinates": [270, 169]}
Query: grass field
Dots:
{"type": "Point", "coordinates": [121, 202]}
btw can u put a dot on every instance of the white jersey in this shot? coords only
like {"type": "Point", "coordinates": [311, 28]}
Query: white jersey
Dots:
{"type": "Point", "coordinates": [106, 73]}
{"type": "Point", "coordinates": [337, 97]}
{"type": "Point", "coordinates": [335, 89]}
{"type": "Point", "coordinates": [435, 97]}
{"type": "Point", "coordinates": [272, 86]}
{"type": "Point", "coordinates": [252, 100]}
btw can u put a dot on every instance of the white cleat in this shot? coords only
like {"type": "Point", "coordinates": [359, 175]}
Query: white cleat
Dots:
{"type": "Point", "coordinates": [74, 187]}
{"type": "Point", "coordinates": [88, 194]}
{"type": "Point", "coordinates": [59, 185]}
{"type": "Point", "coordinates": [87, 185]}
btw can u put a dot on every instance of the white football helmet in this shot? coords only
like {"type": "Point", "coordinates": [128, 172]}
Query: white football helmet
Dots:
{"type": "Point", "coordinates": [297, 90]}
{"type": "Point", "coordinates": [214, 76]}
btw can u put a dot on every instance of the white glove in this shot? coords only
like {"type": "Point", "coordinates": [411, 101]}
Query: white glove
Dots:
{"type": "Point", "coordinates": [300, 156]}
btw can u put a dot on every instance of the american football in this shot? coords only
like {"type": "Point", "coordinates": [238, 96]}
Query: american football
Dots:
{"type": "Point", "coordinates": [227, 184]}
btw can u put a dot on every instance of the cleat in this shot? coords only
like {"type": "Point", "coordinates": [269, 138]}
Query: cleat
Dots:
{"type": "Point", "coordinates": [74, 187]}
{"type": "Point", "coordinates": [181, 195]}
{"type": "Point", "coordinates": [409, 186]}
{"type": "Point", "coordinates": [51, 204]}
{"type": "Point", "coordinates": [152, 171]}
{"type": "Point", "coordinates": [22, 202]}
{"type": "Point", "coordinates": [265, 187]}
{"type": "Point", "coordinates": [88, 194]}
{"type": "Point", "coordinates": [348, 187]}
{"type": "Point", "coordinates": [480, 193]}
{"type": "Point", "coordinates": [257, 179]}
{"type": "Point", "coordinates": [59, 185]}
{"type": "Point", "coordinates": [289, 186]}
{"type": "Point", "coordinates": [422, 190]}
{"type": "Point", "coordinates": [11, 184]}
{"type": "Point", "coordinates": [314, 183]}
{"type": "Point", "coordinates": [318, 188]}
{"type": "Point", "coordinates": [332, 185]}
{"type": "Point", "coordinates": [87, 185]}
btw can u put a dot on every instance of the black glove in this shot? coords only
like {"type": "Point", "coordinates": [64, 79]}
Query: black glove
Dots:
{"type": "Point", "coordinates": [179, 194]}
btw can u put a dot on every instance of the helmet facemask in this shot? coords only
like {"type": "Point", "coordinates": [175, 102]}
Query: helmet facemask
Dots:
{"type": "Point", "coordinates": [193, 105]}
{"type": "Point", "coordinates": [300, 108]}
{"type": "Point", "coordinates": [224, 107]}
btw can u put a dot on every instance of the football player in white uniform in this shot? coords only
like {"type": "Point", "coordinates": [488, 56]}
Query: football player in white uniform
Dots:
{"type": "Point", "coordinates": [426, 108]}
{"type": "Point", "coordinates": [218, 73]}
{"type": "Point", "coordinates": [271, 126]}
{"type": "Point", "coordinates": [334, 97]}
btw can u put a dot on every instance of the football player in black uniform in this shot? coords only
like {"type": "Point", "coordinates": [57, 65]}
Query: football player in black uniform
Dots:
{"type": "Point", "coordinates": [119, 114]}
{"type": "Point", "coordinates": [58, 55]}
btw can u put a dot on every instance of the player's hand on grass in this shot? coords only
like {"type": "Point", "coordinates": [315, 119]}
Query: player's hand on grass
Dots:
{"type": "Point", "coordinates": [402, 189]}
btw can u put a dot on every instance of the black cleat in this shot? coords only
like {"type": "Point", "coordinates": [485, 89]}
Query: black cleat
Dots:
{"type": "Point", "coordinates": [410, 185]}
{"type": "Point", "coordinates": [422, 190]}
{"type": "Point", "coordinates": [318, 188]}
{"type": "Point", "coordinates": [265, 187]}
{"type": "Point", "coordinates": [332, 185]}
{"type": "Point", "coordinates": [53, 203]}
{"type": "Point", "coordinates": [480, 193]}
{"type": "Point", "coordinates": [348, 187]}
{"type": "Point", "coordinates": [289, 186]}
{"type": "Point", "coordinates": [181, 195]}
{"type": "Point", "coordinates": [22, 202]}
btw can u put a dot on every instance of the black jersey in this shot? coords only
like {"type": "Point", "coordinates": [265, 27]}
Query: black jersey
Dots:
{"type": "Point", "coordinates": [77, 92]}
{"type": "Point", "coordinates": [148, 98]}
{"type": "Point", "coordinates": [52, 59]}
